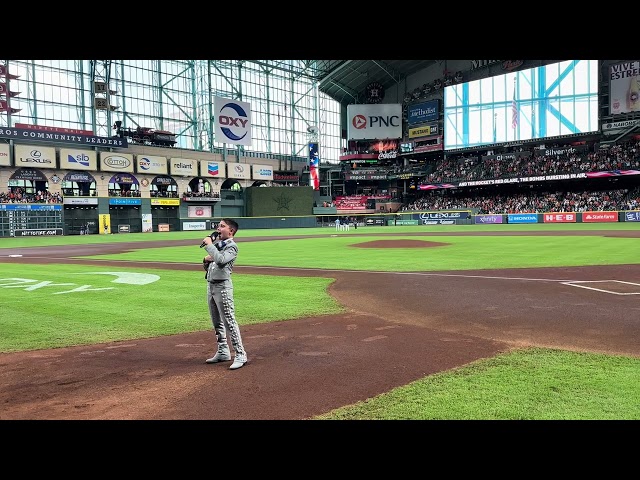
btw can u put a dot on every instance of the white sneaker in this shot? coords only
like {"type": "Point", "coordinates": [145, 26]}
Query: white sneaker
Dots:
{"type": "Point", "coordinates": [238, 362]}
{"type": "Point", "coordinates": [219, 357]}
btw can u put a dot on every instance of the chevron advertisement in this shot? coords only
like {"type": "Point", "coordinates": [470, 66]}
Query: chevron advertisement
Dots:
{"type": "Point", "coordinates": [212, 169]}
{"type": "Point", "coordinates": [367, 122]}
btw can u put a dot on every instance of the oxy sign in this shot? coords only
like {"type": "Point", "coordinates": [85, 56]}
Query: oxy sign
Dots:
{"type": "Point", "coordinates": [232, 121]}
{"type": "Point", "coordinates": [365, 122]}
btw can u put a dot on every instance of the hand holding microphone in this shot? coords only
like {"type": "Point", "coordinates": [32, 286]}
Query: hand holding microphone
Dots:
{"type": "Point", "coordinates": [213, 237]}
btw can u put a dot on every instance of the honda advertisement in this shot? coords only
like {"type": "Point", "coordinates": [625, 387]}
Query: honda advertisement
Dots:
{"type": "Point", "coordinates": [366, 122]}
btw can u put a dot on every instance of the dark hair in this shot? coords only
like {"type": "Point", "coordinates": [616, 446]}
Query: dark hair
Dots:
{"type": "Point", "coordinates": [232, 223]}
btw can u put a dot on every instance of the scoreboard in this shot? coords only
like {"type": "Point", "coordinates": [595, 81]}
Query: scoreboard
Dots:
{"type": "Point", "coordinates": [26, 219]}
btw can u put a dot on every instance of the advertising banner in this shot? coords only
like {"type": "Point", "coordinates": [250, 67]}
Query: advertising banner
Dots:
{"type": "Point", "coordinates": [80, 201]}
{"type": "Point", "coordinates": [78, 159]}
{"type": "Point", "coordinates": [105, 223]}
{"type": "Point", "coordinates": [366, 122]}
{"type": "Point", "coordinates": [559, 217]}
{"type": "Point", "coordinates": [262, 172]}
{"type": "Point", "coordinates": [151, 164]}
{"type": "Point", "coordinates": [424, 131]}
{"type": "Point", "coordinates": [522, 218]}
{"type": "Point", "coordinates": [186, 167]}
{"type": "Point", "coordinates": [314, 165]}
{"type": "Point", "coordinates": [212, 169]}
{"type": "Point", "coordinates": [483, 219]}
{"type": "Point", "coordinates": [33, 156]}
{"type": "Point", "coordinates": [198, 211]}
{"type": "Point", "coordinates": [121, 162]}
{"type": "Point", "coordinates": [589, 217]}
{"type": "Point", "coordinates": [5, 158]}
{"type": "Point", "coordinates": [286, 176]}
{"type": "Point", "coordinates": [624, 90]}
{"type": "Point", "coordinates": [619, 125]}
{"type": "Point", "coordinates": [233, 121]}
{"type": "Point", "coordinates": [632, 216]}
{"type": "Point", "coordinates": [125, 201]}
{"type": "Point", "coordinates": [423, 112]}
{"type": "Point", "coordinates": [194, 225]}
{"type": "Point", "coordinates": [239, 171]}
{"type": "Point", "coordinates": [40, 136]}
{"type": "Point", "coordinates": [147, 223]}
{"type": "Point", "coordinates": [444, 215]}
{"type": "Point", "coordinates": [166, 202]}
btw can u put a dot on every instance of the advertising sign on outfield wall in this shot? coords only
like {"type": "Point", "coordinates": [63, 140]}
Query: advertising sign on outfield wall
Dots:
{"type": "Point", "coordinates": [522, 218]}
{"type": "Point", "coordinates": [632, 216]}
{"type": "Point", "coordinates": [559, 218]}
{"type": "Point", "coordinates": [590, 217]}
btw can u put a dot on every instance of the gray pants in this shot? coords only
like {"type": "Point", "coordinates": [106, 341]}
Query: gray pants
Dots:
{"type": "Point", "coordinates": [223, 316]}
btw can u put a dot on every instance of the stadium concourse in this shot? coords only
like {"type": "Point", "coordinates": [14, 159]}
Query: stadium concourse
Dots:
{"type": "Point", "coordinates": [392, 334]}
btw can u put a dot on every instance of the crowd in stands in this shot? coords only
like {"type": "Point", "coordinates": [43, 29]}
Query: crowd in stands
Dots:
{"type": "Point", "coordinates": [621, 157]}
{"type": "Point", "coordinates": [163, 194]}
{"type": "Point", "coordinates": [201, 195]}
{"type": "Point", "coordinates": [584, 201]}
{"type": "Point", "coordinates": [624, 156]}
{"type": "Point", "coordinates": [124, 193]}
{"type": "Point", "coordinates": [18, 195]}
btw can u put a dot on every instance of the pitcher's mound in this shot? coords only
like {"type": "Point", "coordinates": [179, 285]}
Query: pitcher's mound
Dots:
{"type": "Point", "coordinates": [400, 244]}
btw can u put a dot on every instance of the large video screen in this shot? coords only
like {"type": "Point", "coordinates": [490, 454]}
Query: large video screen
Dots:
{"type": "Point", "coordinates": [549, 101]}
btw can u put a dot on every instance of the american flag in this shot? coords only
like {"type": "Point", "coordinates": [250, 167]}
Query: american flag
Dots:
{"type": "Point", "coordinates": [514, 107]}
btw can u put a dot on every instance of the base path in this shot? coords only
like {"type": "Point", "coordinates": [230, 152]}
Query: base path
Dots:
{"type": "Point", "coordinates": [399, 327]}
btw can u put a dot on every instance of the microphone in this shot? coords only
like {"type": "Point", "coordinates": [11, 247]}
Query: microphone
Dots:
{"type": "Point", "coordinates": [213, 237]}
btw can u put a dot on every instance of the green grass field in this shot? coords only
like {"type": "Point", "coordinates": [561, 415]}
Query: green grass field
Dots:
{"type": "Point", "coordinates": [52, 306]}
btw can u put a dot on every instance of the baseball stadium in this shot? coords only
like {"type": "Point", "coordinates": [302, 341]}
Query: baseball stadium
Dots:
{"type": "Point", "coordinates": [418, 239]}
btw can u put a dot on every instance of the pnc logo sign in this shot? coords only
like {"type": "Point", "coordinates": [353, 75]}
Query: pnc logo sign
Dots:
{"type": "Point", "coordinates": [359, 122]}
{"type": "Point", "coordinates": [382, 120]}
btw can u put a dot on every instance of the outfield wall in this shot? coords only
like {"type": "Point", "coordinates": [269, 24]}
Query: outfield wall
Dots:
{"type": "Point", "coordinates": [22, 220]}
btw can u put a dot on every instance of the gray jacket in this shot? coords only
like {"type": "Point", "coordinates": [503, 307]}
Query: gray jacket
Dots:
{"type": "Point", "coordinates": [222, 265]}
